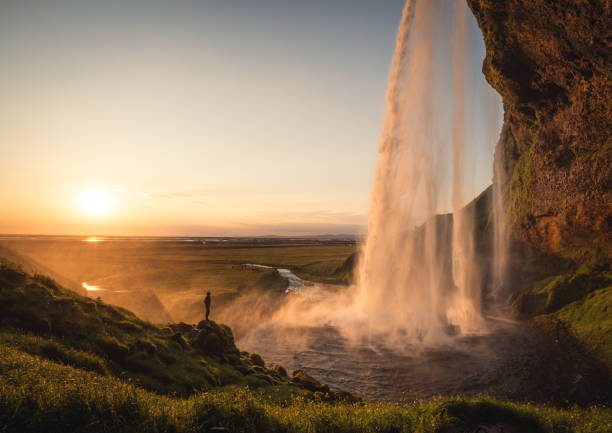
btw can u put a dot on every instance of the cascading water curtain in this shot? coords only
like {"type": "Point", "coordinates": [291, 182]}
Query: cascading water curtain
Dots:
{"type": "Point", "coordinates": [419, 277]}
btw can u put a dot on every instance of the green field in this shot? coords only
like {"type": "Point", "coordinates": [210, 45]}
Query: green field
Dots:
{"type": "Point", "coordinates": [181, 266]}
{"type": "Point", "coordinates": [174, 275]}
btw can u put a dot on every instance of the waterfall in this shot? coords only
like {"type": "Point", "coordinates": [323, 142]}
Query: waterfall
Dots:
{"type": "Point", "coordinates": [418, 274]}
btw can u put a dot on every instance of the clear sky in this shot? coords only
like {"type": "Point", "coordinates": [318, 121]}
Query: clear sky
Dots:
{"type": "Point", "coordinates": [194, 117]}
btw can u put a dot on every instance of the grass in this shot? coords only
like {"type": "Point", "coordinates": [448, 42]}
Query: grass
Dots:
{"type": "Point", "coordinates": [43, 319]}
{"type": "Point", "coordinates": [174, 276]}
{"type": "Point", "coordinates": [168, 268]}
{"type": "Point", "coordinates": [581, 298]}
{"type": "Point", "coordinates": [338, 270]}
{"type": "Point", "coordinates": [590, 319]}
{"type": "Point", "coordinates": [38, 394]}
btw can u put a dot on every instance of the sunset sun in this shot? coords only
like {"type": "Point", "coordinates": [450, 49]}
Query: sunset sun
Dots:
{"type": "Point", "coordinates": [95, 202]}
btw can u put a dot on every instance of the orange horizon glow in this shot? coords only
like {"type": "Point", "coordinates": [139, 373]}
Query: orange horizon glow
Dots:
{"type": "Point", "coordinates": [181, 129]}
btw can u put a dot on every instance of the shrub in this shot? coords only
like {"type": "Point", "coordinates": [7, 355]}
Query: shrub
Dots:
{"type": "Point", "coordinates": [257, 360]}
{"type": "Point", "coordinates": [280, 370]}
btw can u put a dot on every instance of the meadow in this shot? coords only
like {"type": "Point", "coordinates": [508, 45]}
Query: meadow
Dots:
{"type": "Point", "coordinates": [37, 394]}
{"type": "Point", "coordinates": [163, 280]}
{"type": "Point", "coordinates": [175, 266]}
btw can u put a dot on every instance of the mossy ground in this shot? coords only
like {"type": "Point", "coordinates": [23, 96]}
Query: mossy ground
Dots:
{"type": "Point", "coordinates": [580, 299]}
{"type": "Point", "coordinates": [338, 271]}
{"type": "Point", "coordinates": [590, 319]}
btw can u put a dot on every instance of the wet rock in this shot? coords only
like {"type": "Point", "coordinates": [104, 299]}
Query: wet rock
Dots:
{"type": "Point", "coordinates": [304, 380]}
{"type": "Point", "coordinates": [549, 62]}
{"type": "Point", "coordinates": [216, 340]}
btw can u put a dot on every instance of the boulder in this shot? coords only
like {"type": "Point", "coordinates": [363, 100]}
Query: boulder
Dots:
{"type": "Point", "coordinates": [304, 380]}
{"type": "Point", "coordinates": [208, 343]}
{"type": "Point", "coordinates": [205, 324]}
{"type": "Point", "coordinates": [257, 360]}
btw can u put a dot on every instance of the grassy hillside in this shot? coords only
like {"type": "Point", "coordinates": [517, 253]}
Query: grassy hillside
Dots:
{"type": "Point", "coordinates": [576, 303]}
{"type": "Point", "coordinates": [40, 395]}
{"type": "Point", "coordinates": [41, 318]}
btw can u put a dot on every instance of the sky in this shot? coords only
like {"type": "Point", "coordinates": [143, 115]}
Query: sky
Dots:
{"type": "Point", "coordinates": [196, 117]}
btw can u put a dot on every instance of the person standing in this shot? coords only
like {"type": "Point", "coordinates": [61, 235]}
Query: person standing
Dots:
{"type": "Point", "coordinates": [207, 304]}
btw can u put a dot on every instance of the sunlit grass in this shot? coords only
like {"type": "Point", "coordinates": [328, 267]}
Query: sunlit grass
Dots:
{"type": "Point", "coordinates": [173, 267]}
{"type": "Point", "coordinates": [40, 395]}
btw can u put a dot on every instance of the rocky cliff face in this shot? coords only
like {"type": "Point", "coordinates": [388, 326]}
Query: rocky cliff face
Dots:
{"type": "Point", "coordinates": [551, 61]}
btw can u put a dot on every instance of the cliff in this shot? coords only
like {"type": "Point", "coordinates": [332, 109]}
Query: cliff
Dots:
{"type": "Point", "coordinates": [550, 61]}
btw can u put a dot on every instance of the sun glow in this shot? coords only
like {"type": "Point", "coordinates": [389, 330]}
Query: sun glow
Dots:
{"type": "Point", "coordinates": [95, 202]}
{"type": "Point", "coordinates": [90, 288]}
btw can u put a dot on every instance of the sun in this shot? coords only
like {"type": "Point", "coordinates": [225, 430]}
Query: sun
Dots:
{"type": "Point", "coordinates": [95, 202]}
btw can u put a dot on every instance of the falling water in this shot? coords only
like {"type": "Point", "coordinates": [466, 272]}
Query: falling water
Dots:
{"type": "Point", "coordinates": [418, 274]}
{"type": "Point", "coordinates": [421, 272]}
{"type": "Point", "coordinates": [466, 274]}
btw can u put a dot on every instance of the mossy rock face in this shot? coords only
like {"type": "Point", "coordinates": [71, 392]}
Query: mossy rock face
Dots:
{"type": "Point", "coordinates": [528, 305]}
{"type": "Point", "coordinates": [555, 292]}
{"type": "Point", "coordinates": [216, 340]}
{"type": "Point", "coordinates": [548, 61]}
{"type": "Point", "coordinates": [209, 344]}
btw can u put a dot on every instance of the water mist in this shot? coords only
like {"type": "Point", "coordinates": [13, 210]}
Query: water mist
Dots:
{"type": "Point", "coordinates": [420, 279]}
{"type": "Point", "coordinates": [407, 285]}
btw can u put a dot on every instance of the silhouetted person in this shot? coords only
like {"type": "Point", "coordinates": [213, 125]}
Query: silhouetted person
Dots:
{"type": "Point", "coordinates": [207, 304]}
